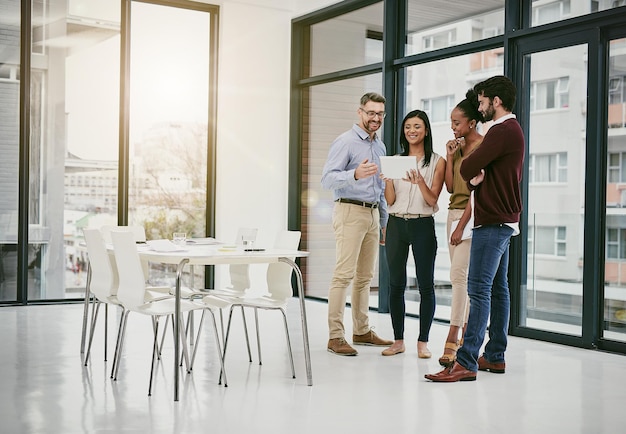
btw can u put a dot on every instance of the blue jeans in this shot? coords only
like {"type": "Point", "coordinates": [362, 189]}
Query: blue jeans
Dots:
{"type": "Point", "coordinates": [488, 290]}
{"type": "Point", "coordinates": [418, 233]}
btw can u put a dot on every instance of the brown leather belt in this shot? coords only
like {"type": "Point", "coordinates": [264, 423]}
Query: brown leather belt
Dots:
{"type": "Point", "coordinates": [358, 202]}
{"type": "Point", "coordinates": [411, 216]}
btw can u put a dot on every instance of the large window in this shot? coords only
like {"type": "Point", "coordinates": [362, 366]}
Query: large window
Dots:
{"type": "Point", "coordinates": [615, 268]}
{"type": "Point", "coordinates": [9, 149]}
{"type": "Point", "coordinates": [74, 139]}
{"type": "Point", "coordinates": [431, 55]}
{"type": "Point", "coordinates": [331, 109]}
{"type": "Point", "coordinates": [432, 25]}
{"type": "Point", "coordinates": [550, 11]}
{"type": "Point", "coordinates": [555, 217]}
{"type": "Point", "coordinates": [347, 41]}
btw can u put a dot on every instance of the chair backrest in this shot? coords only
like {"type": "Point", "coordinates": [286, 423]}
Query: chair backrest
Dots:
{"type": "Point", "coordinates": [278, 273]}
{"type": "Point", "coordinates": [103, 278]}
{"type": "Point", "coordinates": [239, 277]}
{"type": "Point", "coordinates": [139, 232]}
{"type": "Point", "coordinates": [139, 235]}
{"type": "Point", "coordinates": [240, 273]}
{"type": "Point", "coordinates": [132, 286]}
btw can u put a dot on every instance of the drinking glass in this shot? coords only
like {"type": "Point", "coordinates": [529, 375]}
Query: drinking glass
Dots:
{"type": "Point", "coordinates": [179, 238]}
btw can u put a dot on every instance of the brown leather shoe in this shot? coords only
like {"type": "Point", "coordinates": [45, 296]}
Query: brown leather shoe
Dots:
{"type": "Point", "coordinates": [370, 338]}
{"type": "Point", "coordinates": [450, 375]}
{"type": "Point", "coordinates": [340, 347]}
{"type": "Point", "coordinates": [485, 365]}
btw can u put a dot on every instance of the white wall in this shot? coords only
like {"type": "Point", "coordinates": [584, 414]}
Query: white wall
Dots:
{"type": "Point", "coordinates": [253, 115]}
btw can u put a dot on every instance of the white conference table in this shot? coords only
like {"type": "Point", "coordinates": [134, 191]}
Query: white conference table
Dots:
{"type": "Point", "coordinates": [215, 255]}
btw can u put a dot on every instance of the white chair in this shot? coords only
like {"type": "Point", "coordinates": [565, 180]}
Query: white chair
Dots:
{"type": "Point", "coordinates": [239, 280]}
{"type": "Point", "coordinates": [279, 289]}
{"type": "Point", "coordinates": [139, 232]}
{"type": "Point", "coordinates": [136, 297]}
{"type": "Point", "coordinates": [101, 282]}
{"type": "Point", "coordinates": [139, 235]}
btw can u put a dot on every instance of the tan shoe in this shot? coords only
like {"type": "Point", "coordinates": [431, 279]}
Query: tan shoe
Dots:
{"type": "Point", "coordinates": [370, 338]}
{"type": "Point", "coordinates": [340, 347]}
{"type": "Point", "coordinates": [423, 353]}
{"type": "Point", "coordinates": [393, 350]}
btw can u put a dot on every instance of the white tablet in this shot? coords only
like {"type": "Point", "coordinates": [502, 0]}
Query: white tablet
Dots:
{"type": "Point", "coordinates": [397, 166]}
{"type": "Point", "coordinates": [467, 230]}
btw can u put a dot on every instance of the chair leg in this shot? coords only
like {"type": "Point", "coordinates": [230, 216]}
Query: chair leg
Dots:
{"type": "Point", "coordinates": [106, 329]}
{"type": "Point", "coordinates": [219, 350]}
{"type": "Point", "coordinates": [293, 370]}
{"type": "Point", "coordinates": [167, 320]}
{"type": "Point", "coordinates": [88, 300]}
{"type": "Point", "coordinates": [222, 323]}
{"type": "Point", "coordinates": [258, 334]}
{"type": "Point", "coordinates": [195, 345]}
{"type": "Point", "coordinates": [94, 319]}
{"type": "Point", "coordinates": [117, 342]}
{"type": "Point", "coordinates": [183, 338]}
{"type": "Point", "coordinates": [155, 350]}
{"type": "Point", "coordinates": [190, 326]}
{"type": "Point", "coordinates": [116, 366]}
{"type": "Point", "coordinates": [230, 317]}
{"type": "Point", "coordinates": [245, 329]}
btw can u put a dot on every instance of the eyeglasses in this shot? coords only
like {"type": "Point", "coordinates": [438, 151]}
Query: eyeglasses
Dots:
{"type": "Point", "coordinates": [371, 114]}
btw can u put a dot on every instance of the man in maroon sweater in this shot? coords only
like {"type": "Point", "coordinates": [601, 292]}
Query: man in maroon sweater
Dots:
{"type": "Point", "coordinates": [493, 171]}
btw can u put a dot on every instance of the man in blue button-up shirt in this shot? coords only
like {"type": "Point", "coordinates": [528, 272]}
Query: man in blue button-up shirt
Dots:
{"type": "Point", "coordinates": [352, 172]}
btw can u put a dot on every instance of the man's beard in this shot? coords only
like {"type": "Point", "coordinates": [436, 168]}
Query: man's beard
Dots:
{"type": "Point", "coordinates": [488, 114]}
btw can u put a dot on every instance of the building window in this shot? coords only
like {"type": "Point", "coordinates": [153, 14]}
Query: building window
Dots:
{"type": "Point", "coordinates": [490, 32]}
{"type": "Point", "coordinates": [615, 243]}
{"type": "Point", "coordinates": [617, 90]}
{"type": "Point", "coordinates": [617, 167]}
{"type": "Point", "coordinates": [443, 39]}
{"type": "Point", "coordinates": [547, 240]}
{"type": "Point", "coordinates": [438, 109]}
{"type": "Point", "coordinates": [551, 12]}
{"type": "Point", "coordinates": [548, 168]}
{"type": "Point", "coordinates": [550, 94]}
{"type": "Point", "coordinates": [9, 72]}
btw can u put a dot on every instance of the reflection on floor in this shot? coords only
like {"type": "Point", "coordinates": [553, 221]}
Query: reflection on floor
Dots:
{"type": "Point", "coordinates": [45, 388]}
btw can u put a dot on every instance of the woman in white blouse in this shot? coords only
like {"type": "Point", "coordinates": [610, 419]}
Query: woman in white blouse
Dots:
{"type": "Point", "coordinates": [411, 202]}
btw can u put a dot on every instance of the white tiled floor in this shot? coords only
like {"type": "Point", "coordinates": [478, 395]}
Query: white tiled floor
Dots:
{"type": "Point", "coordinates": [45, 388]}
